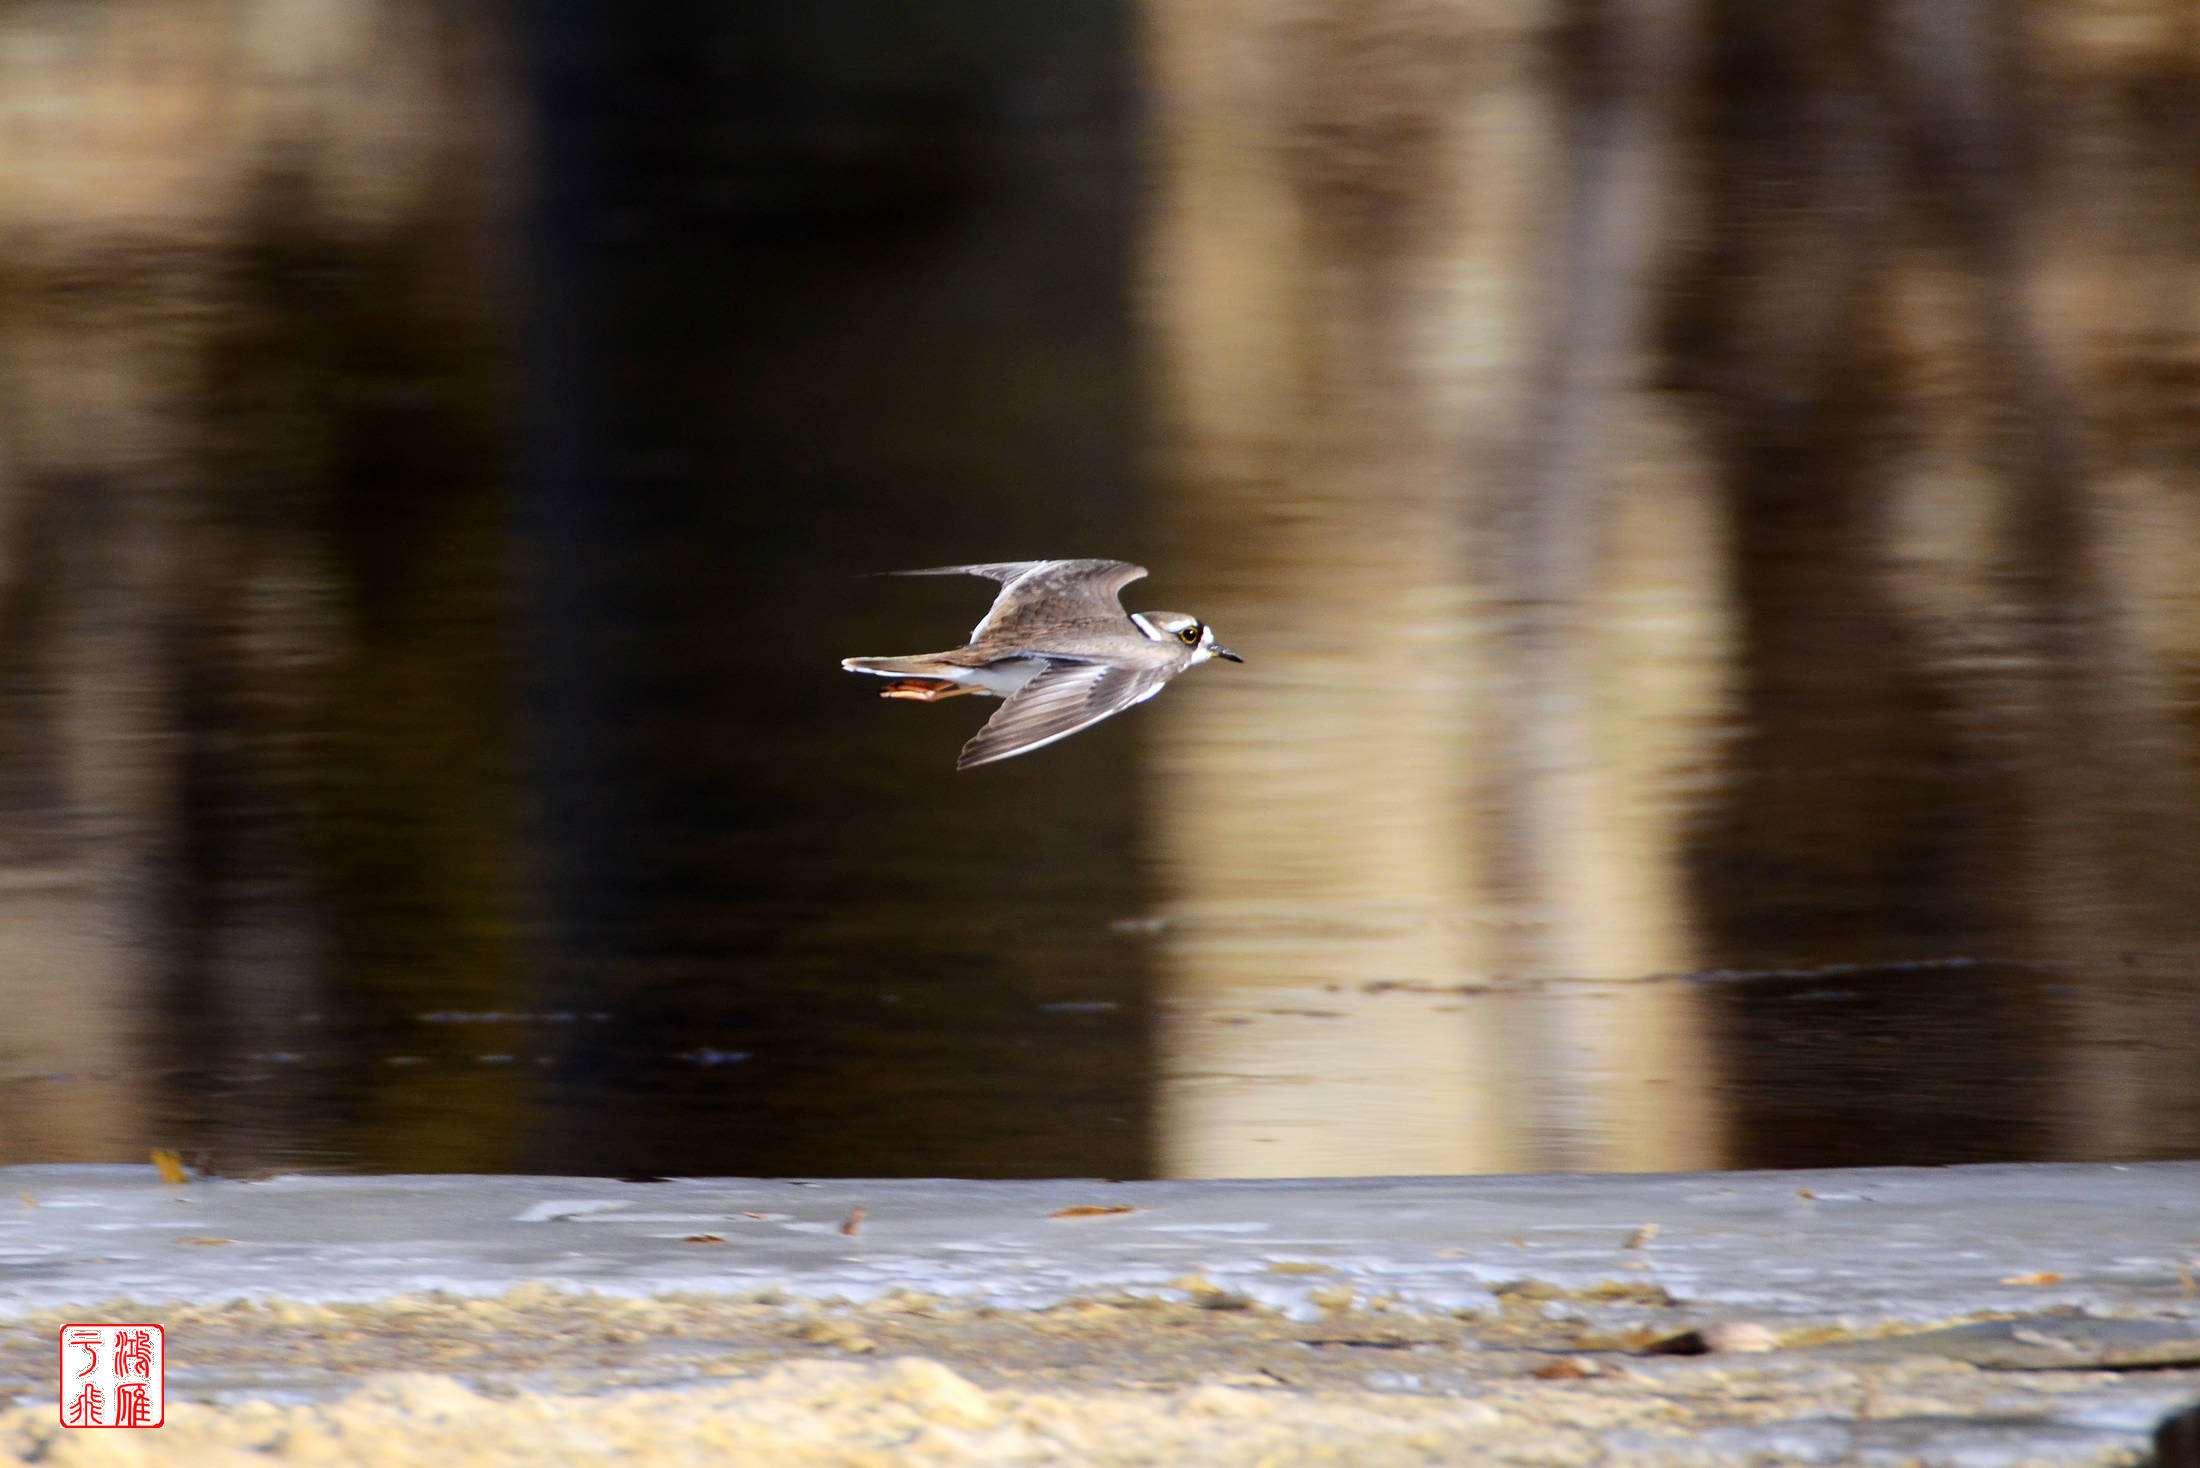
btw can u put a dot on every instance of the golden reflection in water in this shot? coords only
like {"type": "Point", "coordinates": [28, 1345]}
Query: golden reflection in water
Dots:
{"type": "Point", "coordinates": [68, 1089]}
{"type": "Point", "coordinates": [1340, 310]}
{"type": "Point", "coordinates": [1331, 999]}
{"type": "Point", "coordinates": [1619, 1074]}
{"type": "Point", "coordinates": [1306, 816]}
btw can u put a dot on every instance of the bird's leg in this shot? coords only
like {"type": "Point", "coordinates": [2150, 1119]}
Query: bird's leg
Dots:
{"type": "Point", "coordinates": [925, 690]}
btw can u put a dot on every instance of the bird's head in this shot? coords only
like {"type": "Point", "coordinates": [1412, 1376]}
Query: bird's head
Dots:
{"type": "Point", "coordinates": [1185, 630]}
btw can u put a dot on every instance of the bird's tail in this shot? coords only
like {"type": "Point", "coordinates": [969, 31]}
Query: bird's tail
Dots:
{"type": "Point", "coordinates": [918, 667]}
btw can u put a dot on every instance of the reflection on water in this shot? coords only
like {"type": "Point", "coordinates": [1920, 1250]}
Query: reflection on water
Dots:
{"type": "Point", "coordinates": [1710, 530]}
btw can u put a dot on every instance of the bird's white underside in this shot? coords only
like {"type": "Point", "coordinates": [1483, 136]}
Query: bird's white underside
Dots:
{"type": "Point", "coordinates": [998, 679]}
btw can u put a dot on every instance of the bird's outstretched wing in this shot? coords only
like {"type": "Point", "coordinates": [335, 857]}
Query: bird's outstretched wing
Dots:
{"type": "Point", "coordinates": [991, 570]}
{"type": "Point", "coordinates": [1057, 594]}
{"type": "Point", "coordinates": [1059, 598]}
{"type": "Point", "coordinates": [1067, 697]}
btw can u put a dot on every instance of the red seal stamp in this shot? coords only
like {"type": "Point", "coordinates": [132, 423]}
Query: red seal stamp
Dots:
{"type": "Point", "coordinates": [113, 1376]}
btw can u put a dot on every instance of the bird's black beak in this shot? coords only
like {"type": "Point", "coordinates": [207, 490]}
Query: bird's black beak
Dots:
{"type": "Point", "coordinates": [1222, 652]}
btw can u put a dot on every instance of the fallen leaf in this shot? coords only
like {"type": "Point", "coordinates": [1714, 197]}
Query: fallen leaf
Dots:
{"type": "Point", "coordinates": [1092, 1210]}
{"type": "Point", "coordinates": [1641, 1236]}
{"type": "Point", "coordinates": [1568, 1368]}
{"type": "Point", "coordinates": [702, 1239]}
{"type": "Point", "coordinates": [206, 1241]}
{"type": "Point", "coordinates": [170, 1165]}
{"type": "Point", "coordinates": [30, 1202]}
{"type": "Point", "coordinates": [854, 1225]}
{"type": "Point", "coordinates": [1806, 1193]}
{"type": "Point", "coordinates": [2044, 1276]}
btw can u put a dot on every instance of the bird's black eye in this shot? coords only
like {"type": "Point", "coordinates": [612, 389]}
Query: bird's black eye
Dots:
{"type": "Point", "coordinates": [1190, 634]}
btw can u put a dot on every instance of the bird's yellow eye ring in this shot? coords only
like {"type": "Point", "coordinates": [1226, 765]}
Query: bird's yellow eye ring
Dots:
{"type": "Point", "coordinates": [1190, 634]}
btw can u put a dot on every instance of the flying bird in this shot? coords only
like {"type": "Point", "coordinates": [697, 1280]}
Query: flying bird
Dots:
{"type": "Point", "coordinates": [1057, 645]}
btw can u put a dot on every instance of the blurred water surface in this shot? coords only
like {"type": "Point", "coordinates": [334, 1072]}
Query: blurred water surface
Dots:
{"type": "Point", "coordinates": [1707, 497]}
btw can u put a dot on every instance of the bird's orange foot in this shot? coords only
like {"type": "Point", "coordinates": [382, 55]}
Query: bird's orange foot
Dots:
{"type": "Point", "coordinates": [925, 690]}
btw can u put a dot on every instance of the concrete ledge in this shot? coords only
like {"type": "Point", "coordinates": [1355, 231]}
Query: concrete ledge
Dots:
{"type": "Point", "coordinates": [1976, 1315]}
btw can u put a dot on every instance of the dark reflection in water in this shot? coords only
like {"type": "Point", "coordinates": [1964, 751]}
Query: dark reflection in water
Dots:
{"type": "Point", "coordinates": [870, 320]}
{"type": "Point", "coordinates": [440, 457]}
{"type": "Point", "coordinates": [1901, 1064]}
